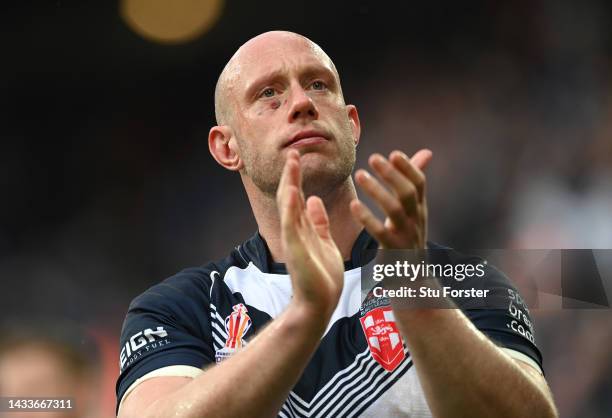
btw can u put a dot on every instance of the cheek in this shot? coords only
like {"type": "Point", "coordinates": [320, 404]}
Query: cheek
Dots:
{"type": "Point", "coordinates": [256, 137]}
{"type": "Point", "coordinates": [338, 116]}
{"type": "Point", "coordinates": [334, 108]}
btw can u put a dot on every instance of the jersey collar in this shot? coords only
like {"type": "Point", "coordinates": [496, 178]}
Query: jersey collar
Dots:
{"type": "Point", "coordinates": [256, 250]}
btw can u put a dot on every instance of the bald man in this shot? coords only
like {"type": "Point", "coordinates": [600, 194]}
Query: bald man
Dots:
{"type": "Point", "coordinates": [278, 328]}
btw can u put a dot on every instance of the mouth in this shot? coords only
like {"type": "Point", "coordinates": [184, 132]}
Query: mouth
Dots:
{"type": "Point", "coordinates": [306, 138]}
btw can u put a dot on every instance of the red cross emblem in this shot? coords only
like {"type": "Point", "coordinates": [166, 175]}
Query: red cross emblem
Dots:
{"type": "Point", "coordinates": [383, 337]}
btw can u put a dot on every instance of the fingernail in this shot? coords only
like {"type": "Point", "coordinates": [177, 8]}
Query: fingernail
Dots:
{"type": "Point", "coordinates": [361, 173]}
{"type": "Point", "coordinates": [401, 154]}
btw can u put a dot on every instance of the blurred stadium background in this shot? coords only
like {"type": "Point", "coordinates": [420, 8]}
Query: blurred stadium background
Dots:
{"type": "Point", "coordinates": [108, 187]}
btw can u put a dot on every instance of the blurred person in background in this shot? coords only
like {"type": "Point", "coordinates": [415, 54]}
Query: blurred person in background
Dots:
{"type": "Point", "coordinates": [281, 93]}
{"type": "Point", "coordinates": [34, 363]}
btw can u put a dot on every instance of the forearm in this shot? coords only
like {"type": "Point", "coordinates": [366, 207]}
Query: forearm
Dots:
{"type": "Point", "coordinates": [463, 373]}
{"type": "Point", "coordinates": [254, 382]}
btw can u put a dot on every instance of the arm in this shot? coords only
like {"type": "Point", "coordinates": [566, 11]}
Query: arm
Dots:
{"type": "Point", "coordinates": [222, 390]}
{"type": "Point", "coordinates": [274, 359]}
{"type": "Point", "coordinates": [478, 379]}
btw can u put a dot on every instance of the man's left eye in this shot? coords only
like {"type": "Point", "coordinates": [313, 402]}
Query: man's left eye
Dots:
{"type": "Point", "coordinates": [318, 85]}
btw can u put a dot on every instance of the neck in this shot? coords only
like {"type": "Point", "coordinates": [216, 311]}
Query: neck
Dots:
{"type": "Point", "coordinates": [344, 229]}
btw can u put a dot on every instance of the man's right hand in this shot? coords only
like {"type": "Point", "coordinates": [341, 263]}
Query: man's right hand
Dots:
{"type": "Point", "coordinates": [312, 257]}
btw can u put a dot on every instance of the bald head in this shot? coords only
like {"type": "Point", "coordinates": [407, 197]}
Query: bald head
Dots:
{"type": "Point", "coordinates": [255, 50]}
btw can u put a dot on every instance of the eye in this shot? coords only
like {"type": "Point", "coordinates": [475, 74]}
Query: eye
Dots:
{"type": "Point", "coordinates": [269, 92]}
{"type": "Point", "coordinates": [318, 85]}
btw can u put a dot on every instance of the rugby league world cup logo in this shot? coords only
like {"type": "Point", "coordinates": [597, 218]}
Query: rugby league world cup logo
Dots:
{"type": "Point", "coordinates": [237, 325]}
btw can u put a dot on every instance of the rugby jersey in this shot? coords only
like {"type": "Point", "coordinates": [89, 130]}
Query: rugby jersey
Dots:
{"type": "Point", "coordinates": [202, 315]}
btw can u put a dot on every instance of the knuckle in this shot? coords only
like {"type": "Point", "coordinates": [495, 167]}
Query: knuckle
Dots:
{"type": "Point", "coordinates": [420, 182]}
{"type": "Point", "coordinates": [364, 216]}
{"type": "Point", "coordinates": [393, 174]}
{"type": "Point", "coordinates": [386, 170]}
{"type": "Point", "coordinates": [378, 229]}
{"type": "Point", "coordinates": [396, 209]}
{"type": "Point", "coordinates": [409, 194]}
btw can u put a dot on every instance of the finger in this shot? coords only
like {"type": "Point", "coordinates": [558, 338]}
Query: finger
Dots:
{"type": "Point", "coordinates": [412, 168]}
{"type": "Point", "coordinates": [403, 188]}
{"type": "Point", "coordinates": [370, 222]}
{"type": "Point", "coordinates": [388, 203]}
{"type": "Point", "coordinates": [289, 177]}
{"type": "Point", "coordinates": [290, 214]}
{"type": "Point", "coordinates": [295, 178]}
{"type": "Point", "coordinates": [288, 192]}
{"type": "Point", "coordinates": [315, 210]}
{"type": "Point", "coordinates": [281, 192]}
{"type": "Point", "coordinates": [421, 158]}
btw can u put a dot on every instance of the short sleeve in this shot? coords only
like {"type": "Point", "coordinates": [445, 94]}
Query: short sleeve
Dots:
{"type": "Point", "coordinates": [508, 324]}
{"type": "Point", "coordinates": [503, 316]}
{"type": "Point", "coordinates": [167, 325]}
{"type": "Point", "coordinates": [511, 327]}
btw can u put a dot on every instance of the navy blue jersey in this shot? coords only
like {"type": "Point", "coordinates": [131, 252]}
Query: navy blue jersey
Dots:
{"type": "Point", "coordinates": [202, 315]}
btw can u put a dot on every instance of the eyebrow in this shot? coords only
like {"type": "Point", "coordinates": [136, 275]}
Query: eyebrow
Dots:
{"type": "Point", "coordinates": [261, 81]}
{"type": "Point", "coordinates": [307, 72]}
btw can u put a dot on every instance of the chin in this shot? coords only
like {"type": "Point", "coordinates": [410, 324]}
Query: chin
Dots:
{"type": "Point", "coordinates": [322, 177]}
{"type": "Point", "coordinates": [314, 164]}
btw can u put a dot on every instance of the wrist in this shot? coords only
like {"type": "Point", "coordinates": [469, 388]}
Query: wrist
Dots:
{"type": "Point", "coordinates": [307, 318]}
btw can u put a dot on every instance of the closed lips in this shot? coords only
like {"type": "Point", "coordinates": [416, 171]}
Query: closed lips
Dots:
{"type": "Point", "coordinates": [314, 135]}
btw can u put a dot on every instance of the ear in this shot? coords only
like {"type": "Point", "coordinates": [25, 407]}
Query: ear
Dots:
{"type": "Point", "coordinates": [222, 146]}
{"type": "Point", "coordinates": [353, 116]}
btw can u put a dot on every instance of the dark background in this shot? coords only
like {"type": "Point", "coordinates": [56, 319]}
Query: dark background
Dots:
{"type": "Point", "coordinates": [107, 186]}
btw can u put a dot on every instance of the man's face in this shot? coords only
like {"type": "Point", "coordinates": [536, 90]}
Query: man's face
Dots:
{"type": "Point", "coordinates": [286, 94]}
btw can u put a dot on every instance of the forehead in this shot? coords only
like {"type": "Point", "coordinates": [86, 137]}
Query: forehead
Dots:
{"type": "Point", "coordinates": [282, 54]}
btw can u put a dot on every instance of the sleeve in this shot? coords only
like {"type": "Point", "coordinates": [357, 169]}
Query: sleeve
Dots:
{"type": "Point", "coordinates": [509, 323]}
{"type": "Point", "coordinates": [503, 316]}
{"type": "Point", "coordinates": [168, 325]}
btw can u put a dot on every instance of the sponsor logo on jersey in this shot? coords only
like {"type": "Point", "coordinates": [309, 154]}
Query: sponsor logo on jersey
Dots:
{"type": "Point", "coordinates": [141, 343]}
{"type": "Point", "coordinates": [383, 337]}
{"type": "Point", "coordinates": [237, 324]}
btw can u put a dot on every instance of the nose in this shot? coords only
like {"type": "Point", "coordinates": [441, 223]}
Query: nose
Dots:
{"type": "Point", "coordinates": [302, 106]}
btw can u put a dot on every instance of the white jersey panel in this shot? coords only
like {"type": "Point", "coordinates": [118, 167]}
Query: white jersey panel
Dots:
{"type": "Point", "coordinates": [271, 293]}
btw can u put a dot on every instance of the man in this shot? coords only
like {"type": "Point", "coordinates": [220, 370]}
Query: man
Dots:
{"type": "Point", "coordinates": [281, 315]}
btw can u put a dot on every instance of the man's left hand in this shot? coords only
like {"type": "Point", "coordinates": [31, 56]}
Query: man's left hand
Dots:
{"type": "Point", "coordinates": [404, 202]}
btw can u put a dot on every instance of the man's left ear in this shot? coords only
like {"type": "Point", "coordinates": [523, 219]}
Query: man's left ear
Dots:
{"type": "Point", "coordinates": [353, 116]}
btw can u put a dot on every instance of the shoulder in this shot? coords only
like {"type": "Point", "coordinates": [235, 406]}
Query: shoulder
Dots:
{"type": "Point", "coordinates": [190, 285]}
